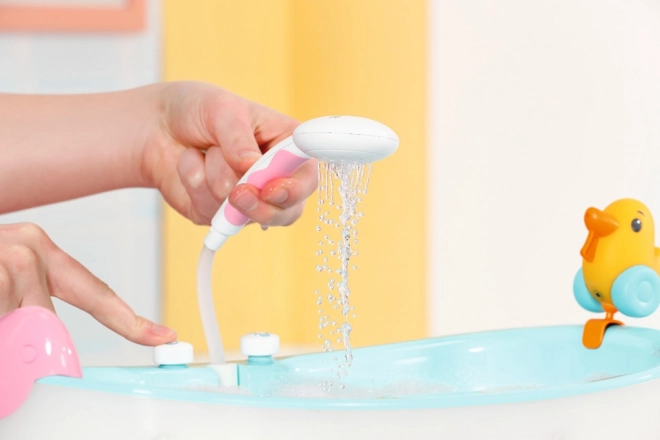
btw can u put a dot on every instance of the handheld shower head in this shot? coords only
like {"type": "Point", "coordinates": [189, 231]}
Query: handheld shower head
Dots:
{"type": "Point", "coordinates": [332, 138]}
{"type": "Point", "coordinates": [348, 138]}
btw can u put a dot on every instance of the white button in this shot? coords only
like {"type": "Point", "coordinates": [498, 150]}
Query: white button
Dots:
{"type": "Point", "coordinates": [174, 353]}
{"type": "Point", "coordinates": [260, 344]}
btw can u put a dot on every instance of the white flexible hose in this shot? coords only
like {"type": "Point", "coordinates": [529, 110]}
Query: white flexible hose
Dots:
{"type": "Point", "coordinates": [207, 310]}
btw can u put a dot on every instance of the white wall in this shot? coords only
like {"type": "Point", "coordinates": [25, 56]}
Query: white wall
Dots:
{"type": "Point", "coordinates": [116, 235]}
{"type": "Point", "coordinates": [539, 109]}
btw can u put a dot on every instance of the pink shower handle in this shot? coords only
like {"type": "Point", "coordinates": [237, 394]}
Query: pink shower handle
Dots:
{"type": "Point", "coordinates": [280, 161]}
{"type": "Point", "coordinates": [33, 344]}
{"type": "Point", "coordinates": [283, 164]}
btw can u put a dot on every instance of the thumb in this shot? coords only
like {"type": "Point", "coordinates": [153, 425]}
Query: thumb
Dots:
{"type": "Point", "coordinates": [236, 138]}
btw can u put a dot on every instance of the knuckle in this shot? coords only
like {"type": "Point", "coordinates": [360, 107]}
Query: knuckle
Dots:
{"type": "Point", "coordinates": [31, 231]}
{"type": "Point", "coordinates": [190, 170]}
{"type": "Point", "coordinates": [105, 290]}
{"type": "Point", "coordinates": [22, 258]}
{"type": "Point", "coordinates": [138, 325]}
{"type": "Point", "coordinates": [195, 180]}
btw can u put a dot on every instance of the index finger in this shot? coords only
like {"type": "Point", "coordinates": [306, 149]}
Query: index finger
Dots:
{"type": "Point", "coordinates": [232, 127]}
{"type": "Point", "coordinates": [245, 129]}
{"type": "Point", "coordinates": [71, 282]}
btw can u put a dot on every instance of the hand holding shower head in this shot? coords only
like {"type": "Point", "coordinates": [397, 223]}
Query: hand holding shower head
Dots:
{"type": "Point", "coordinates": [348, 138]}
{"type": "Point", "coordinates": [335, 138]}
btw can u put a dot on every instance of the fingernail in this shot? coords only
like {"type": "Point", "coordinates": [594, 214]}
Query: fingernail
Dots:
{"type": "Point", "coordinates": [246, 201]}
{"type": "Point", "coordinates": [277, 195]}
{"type": "Point", "coordinates": [264, 227]}
{"type": "Point", "coordinates": [161, 330]}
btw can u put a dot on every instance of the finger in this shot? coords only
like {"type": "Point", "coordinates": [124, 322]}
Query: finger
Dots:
{"type": "Point", "coordinates": [73, 283]}
{"type": "Point", "coordinates": [191, 169]}
{"type": "Point", "coordinates": [246, 199]}
{"type": "Point", "coordinates": [285, 193]}
{"type": "Point", "coordinates": [219, 174]}
{"type": "Point", "coordinates": [270, 126]}
{"type": "Point", "coordinates": [233, 129]}
{"type": "Point", "coordinates": [170, 183]}
{"type": "Point", "coordinates": [31, 284]}
{"type": "Point", "coordinates": [24, 267]}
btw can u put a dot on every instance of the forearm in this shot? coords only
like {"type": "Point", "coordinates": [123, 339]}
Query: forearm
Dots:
{"type": "Point", "coordinates": [61, 147]}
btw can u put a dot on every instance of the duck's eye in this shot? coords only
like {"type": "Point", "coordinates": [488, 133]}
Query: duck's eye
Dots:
{"type": "Point", "coordinates": [636, 225]}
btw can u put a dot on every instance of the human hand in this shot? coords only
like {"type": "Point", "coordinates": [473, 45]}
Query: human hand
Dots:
{"type": "Point", "coordinates": [206, 138]}
{"type": "Point", "coordinates": [33, 268]}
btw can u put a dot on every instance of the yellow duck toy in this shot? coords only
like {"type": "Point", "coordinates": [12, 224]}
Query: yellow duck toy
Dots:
{"type": "Point", "coordinates": [620, 267]}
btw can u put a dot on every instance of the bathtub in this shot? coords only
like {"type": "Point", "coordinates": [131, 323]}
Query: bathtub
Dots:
{"type": "Point", "coordinates": [535, 383]}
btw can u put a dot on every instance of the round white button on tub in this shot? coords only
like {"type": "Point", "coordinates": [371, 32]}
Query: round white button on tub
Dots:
{"type": "Point", "coordinates": [260, 344]}
{"type": "Point", "coordinates": [173, 353]}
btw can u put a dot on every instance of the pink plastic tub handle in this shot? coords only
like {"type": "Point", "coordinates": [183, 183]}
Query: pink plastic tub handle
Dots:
{"type": "Point", "coordinates": [33, 344]}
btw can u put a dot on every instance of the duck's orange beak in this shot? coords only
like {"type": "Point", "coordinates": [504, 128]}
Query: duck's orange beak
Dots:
{"type": "Point", "coordinates": [600, 224]}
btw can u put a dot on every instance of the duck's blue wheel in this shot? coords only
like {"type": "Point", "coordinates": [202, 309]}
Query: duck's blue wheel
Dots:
{"type": "Point", "coordinates": [636, 292]}
{"type": "Point", "coordinates": [582, 295]}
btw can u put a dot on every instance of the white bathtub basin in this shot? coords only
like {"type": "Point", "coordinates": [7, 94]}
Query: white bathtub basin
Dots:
{"type": "Point", "coordinates": [538, 383]}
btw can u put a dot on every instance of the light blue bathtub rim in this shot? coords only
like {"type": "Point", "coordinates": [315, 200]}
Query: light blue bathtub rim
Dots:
{"type": "Point", "coordinates": [508, 366]}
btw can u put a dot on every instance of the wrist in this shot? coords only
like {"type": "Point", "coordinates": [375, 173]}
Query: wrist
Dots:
{"type": "Point", "coordinates": [152, 154]}
{"type": "Point", "coordinates": [151, 118]}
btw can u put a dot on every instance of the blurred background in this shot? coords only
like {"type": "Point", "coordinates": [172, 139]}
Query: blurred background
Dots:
{"type": "Point", "coordinates": [513, 116]}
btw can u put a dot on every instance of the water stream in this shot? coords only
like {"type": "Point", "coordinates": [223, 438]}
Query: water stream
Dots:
{"type": "Point", "coordinates": [341, 186]}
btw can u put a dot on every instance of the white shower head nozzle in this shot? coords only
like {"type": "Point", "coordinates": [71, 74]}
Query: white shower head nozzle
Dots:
{"type": "Point", "coordinates": [345, 138]}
